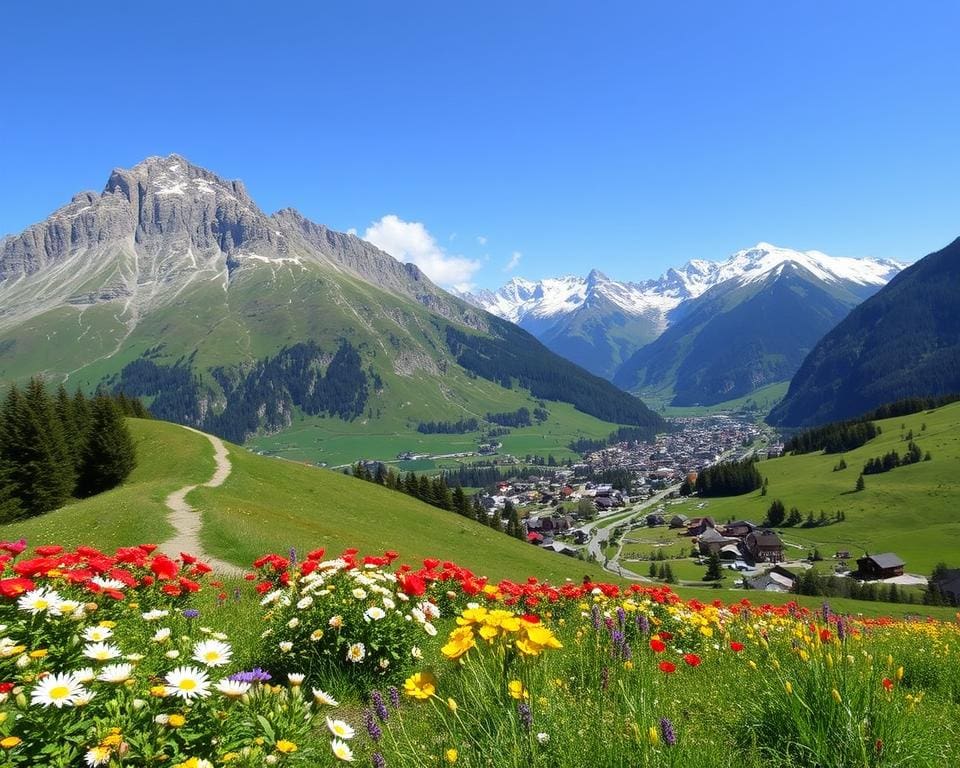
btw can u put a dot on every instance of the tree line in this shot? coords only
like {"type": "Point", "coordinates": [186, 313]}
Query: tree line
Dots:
{"type": "Point", "coordinates": [837, 437]}
{"type": "Point", "coordinates": [728, 478]}
{"type": "Point", "coordinates": [53, 448]}
{"type": "Point", "coordinates": [892, 460]}
{"type": "Point", "coordinates": [436, 492]}
{"type": "Point", "coordinates": [448, 427]}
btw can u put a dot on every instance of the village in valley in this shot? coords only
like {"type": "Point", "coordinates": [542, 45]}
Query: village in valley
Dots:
{"type": "Point", "coordinates": [642, 527]}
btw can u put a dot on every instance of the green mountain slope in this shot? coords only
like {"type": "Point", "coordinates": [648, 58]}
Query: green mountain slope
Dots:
{"type": "Point", "coordinates": [172, 285]}
{"type": "Point", "coordinates": [902, 342]}
{"type": "Point", "coordinates": [910, 510]}
{"type": "Point", "coordinates": [737, 338]}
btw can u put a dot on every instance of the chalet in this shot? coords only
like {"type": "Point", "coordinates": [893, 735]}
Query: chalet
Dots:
{"type": "Point", "coordinates": [603, 503]}
{"type": "Point", "coordinates": [949, 585]}
{"type": "Point", "coordinates": [731, 551]}
{"type": "Point", "coordinates": [580, 537]}
{"type": "Point", "coordinates": [534, 523]}
{"type": "Point", "coordinates": [739, 528]}
{"type": "Point", "coordinates": [655, 519]}
{"type": "Point", "coordinates": [763, 546]}
{"type": "Point", "coordinates": [679, 521]}
{"type": "Point", "coordinates": [773, 580]}
{"type": "Point", "coordinates": [699, 524]}
{"type": "Point", "coordinates": [711, 541]}
{"type": "Point", "coordinates": [884, 566]}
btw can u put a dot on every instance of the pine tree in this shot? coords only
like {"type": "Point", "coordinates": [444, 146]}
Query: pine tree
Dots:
{"type": "Point", "coordinates": [860, 484]}
{"type": "Point", "coordinates": [459, 501]}
{"type": "Point", "coordinates": [411, 485]}
{"type": "Point", "coordinates": [515, 522]}
{"type": "Point", "coordinates": [109, 455]}
{"type": "Point", "coordinates": [668, 574]}
{"type": "Point", "coordinates": [63, 408]}
{"type": "Point", "coordinates": [10, 508]}
{"type": "Point", "coordinates": [33, 449]}
{"type": "Point", "coordinates": [714, 573]}
{"type": "Point", "coordinates": [441, 493]}
{"type": "Point", "coordinates": [652, 570]}
{"type": "Point", "coordinates": [495, 521]}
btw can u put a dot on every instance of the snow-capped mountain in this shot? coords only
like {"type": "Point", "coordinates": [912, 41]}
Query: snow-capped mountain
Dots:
{"type": "Point", "coordinates": [599, 323]}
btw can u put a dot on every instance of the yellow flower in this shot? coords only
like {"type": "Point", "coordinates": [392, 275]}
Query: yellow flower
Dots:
{"type": "Point", "coordinates": [459, 642]}
{"type": "Point", "coordinates": [159, 691]}
{"type": "Point", "coordinates": [451, 705]}
{"type": "Point", "coordinates": [451, 755]}
{"type": "Point", "coordinates": [516, 690]}
{"type": "Point", "coordinates": [38, 654]}
{"type": "Point", "coordinates": [653, 734]}
{"type": "Point", "coordinates": [176, 720]}
{"type": "Point", "coordinates": [286, 747]}
{"type": "Point", "coordinates": [9, 742]}
{"type": "Point", "coordinates": [899, 674]}
{"type": "Point", "coordinates": [789, 687]}
{"type": "Point", "coordinates": [420, 685]}
{"type": "Point", "coordinates": [115, 739]}
{"type": "Point", "coordinates": [752, 664]}
{"type": "Point", "coordinates": [836, 695]}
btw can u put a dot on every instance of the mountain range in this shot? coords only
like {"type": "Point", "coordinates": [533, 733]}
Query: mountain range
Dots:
{"type": "Point", "coordinates": [171, 284]}
{"type": "Point", "coordinates": [901, 343]}
{"type": "Point", "coordinates": [702, 333]}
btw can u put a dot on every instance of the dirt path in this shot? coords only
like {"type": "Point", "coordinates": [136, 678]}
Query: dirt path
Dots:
{"type": "Point", "coordinates": [186, 520]}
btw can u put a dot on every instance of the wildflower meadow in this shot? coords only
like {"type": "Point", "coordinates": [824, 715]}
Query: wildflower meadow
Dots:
{"type": "Point", "coordinates": [135, 659]}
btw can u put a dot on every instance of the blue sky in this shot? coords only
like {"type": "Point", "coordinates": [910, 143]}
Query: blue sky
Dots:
{"type": "Point", "coordinates": [510, 138]}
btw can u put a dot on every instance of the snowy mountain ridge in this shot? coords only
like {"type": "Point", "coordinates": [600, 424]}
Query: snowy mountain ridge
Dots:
{"type": "Point", "coordinates": [521, 299]}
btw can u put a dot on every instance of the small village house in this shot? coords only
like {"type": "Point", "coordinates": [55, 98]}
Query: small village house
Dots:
{"type": "Point", "coordinates": [884, 566]}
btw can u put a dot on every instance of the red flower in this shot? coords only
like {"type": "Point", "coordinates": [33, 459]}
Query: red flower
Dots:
{"type": "Point", "coordinates": [657, 645]}
{"type": "Point", "coordinates": [250, 576]}
{"type": "Point", "coordinates": [735, 646]}
{"type": "Point", "coordinates": [15, 587]}
{"type": "Point", "coordinates": [667, 666]}
{"type": "Point", "coordinates": [531, 618]}
{"type": "Point", "coordinates": [6, 687]}
{"type": "Point", "coordinates": [430, 563]}
{"type": "Point", "coordinates": [49, 549]}
{"type": "Point", "coordinates": [825, 635]}
{"type": "Point", "coordinates": [692, 659]}
{"type": "Point", "coordinates": [316, 554]}
{"type": "Point", "coordinates": [164, 568]}
{"type": "Point", "coordinates": [171, 589]}
{"type": "Point", "coordinates": [887, 683]}
{"type": "Point", "coordinates": [14, 547]}
{"type": "Point", "coordinates": [666, 635]}
{"type": "Point", "coordinates": [188, 559]}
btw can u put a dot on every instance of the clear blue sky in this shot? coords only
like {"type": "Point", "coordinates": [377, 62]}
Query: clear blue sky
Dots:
{"type": "Point", "coordinates": [625, 136]}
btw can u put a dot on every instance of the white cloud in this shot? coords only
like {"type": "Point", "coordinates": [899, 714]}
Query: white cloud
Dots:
{"type": "Point", "coordinates": [410, 241]}
{"type": "Point", "coordinates": [482, 239]}
{"type": "Point", "coordinates": [514, 261]}
{"type": "Point", "coordinates": [352, 231]}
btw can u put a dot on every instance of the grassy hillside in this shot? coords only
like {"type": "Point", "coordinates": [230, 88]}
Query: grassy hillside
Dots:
{"type": "Point", "coordinates": [168, 457]}
{"type": "Point", "coordinates": [910, 510]}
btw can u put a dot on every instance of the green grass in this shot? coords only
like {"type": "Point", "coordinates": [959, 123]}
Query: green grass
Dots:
{"type": "Point", "coordinates": [759, 401]}
{"type": "Point", "coordinates": [168, 457]}
{"type": "Point", "coordinates": [910, 510]}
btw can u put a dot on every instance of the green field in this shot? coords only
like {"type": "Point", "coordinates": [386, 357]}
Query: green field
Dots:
{"type": "Point", "coordinates": [336, 442]}
{"type": "Point", "coordinates": [760, 401]}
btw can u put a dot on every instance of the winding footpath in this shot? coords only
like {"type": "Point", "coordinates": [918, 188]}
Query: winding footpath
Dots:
{"type": "Point", "coordinates": [186, 521]}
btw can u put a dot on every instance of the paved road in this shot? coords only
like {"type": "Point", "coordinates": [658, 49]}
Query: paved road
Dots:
{"type": "Point", "coordinates": [186, 520]}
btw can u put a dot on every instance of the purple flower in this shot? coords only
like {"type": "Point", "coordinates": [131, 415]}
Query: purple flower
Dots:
{"type": "Point", "coordinates": [293, 556]}
{"type": "Point", "coordinates": [191, 613]}
{"type": "Point", "coordinates": [255, 675]}
{"type": "Point", "coordinates": [595, 616]}
{"type": "Point", "coordinates": [826, 612]}
{"type": "Point", "coordinates": [526, 716]}
{"type": "Point", "coordinates": [666, 729]}
{"type": "Point", "coordinates": [370, 721]}
{"type": "Point", "coordinates": [394, 695]}
{"type": "Point", "coordinates": [621, 617]}
{"type": "Point", "coordinates": [644, 623]}
{"type": "Point", "coordinates": [378, 760]}
{"type": "Point", "coordinates": [841, 629]}
{"type": "Point", "coordinates": [376, 698]}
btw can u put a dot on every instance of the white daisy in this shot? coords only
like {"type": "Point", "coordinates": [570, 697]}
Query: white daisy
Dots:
{"type": "Point", "coordinates": [172, 654]}
{"type": "Point", "coordinates": [38, 600]}
{"type": "Point", "coordinates": [285, 646]}
{"type": "Point", "coordinates": [341, 750]}
{"type": "Point", "coordinates": [64, 608]}
{"type": "Point", "coordinates": [212, 653]}
{"type": "Point", "coordinates": [389, 604]}
{"type": "Point", "coordinates": [429, 629]}
{"type": "Point", "coordinates": [271, 597]}
{"type": "Point", "coordinates": [374, 614]}
{"type": "Point", "coordinates": [416, 653]}
{"type": "Point", "coordinates": [305, 603]}
{"type": "Point", "coordinates": [293, 623]}
{"type": "Point", "coordinates": [340, 729]}
{"type": "Point", "coordinates": [107, 583]}
{"type": "Point", "coordinates": [161, 635]}
{"type": "Point", "coordinates": [359, 593]}
{"type": "Point", "coordinates": [187, 683]}
{"type": "Point", "coordinates": [232, 689]}
{"type": "Point", "coordinates": [322, 697]}
{"type": "Point", "coordinates": [101, 651]}
{"type": "Point", "coordinates": [295, 678]}
{"type": "Point", "coordinates": [97, 634]}
{"type": "Point", "coordinates": [97, 756]}
{"type": "Point", "coordinates": [356, 653]}
{"type": "Point", "coordinates": [115, 673]}
{"type": "Point", "coordinates": [155, 615]}
{"type": "Point", "coordinates": [58, 690]}
{"type": "Point", "coordinates": [336, 621]}
{"type": "Point", "coordinates": [85, 675]}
